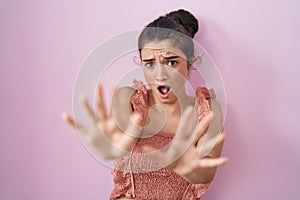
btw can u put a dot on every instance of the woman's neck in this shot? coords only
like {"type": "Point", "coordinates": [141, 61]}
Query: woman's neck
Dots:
{"type": "Point", "coordinates": [173, 107]}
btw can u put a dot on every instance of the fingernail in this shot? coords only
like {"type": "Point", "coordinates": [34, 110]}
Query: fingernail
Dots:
{"type": "Point", "coordinates": [99, 85]}
{"type": "Point", "coordinates": [64, 116]}
{"type": "Point", "coordinates": [82, 98]}
{"type": "Point", "coordinates": [226, 159]}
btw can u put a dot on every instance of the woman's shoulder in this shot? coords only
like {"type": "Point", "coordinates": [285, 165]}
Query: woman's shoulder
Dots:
{"type": "Point", "coordinates": [134, 99]}
{"type": "Point", "coordinates": [200, 94]}
{"type": "Point", "coordinates": [124, 91]}
{"type": "Point", "coordinates": [123, 94]}
{"type": "Point", "coordinates": [137, 88]}
{"type": "Point", "coordinates": [204, 101]}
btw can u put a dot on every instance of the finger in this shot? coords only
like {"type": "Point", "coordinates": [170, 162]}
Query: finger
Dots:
{"type": "Point", "coordinates": [136, 83]}
{"type": "Point", "coordinates": [69, 120]}
{"type": "Point", "coordinates": [113, 88]}
{"type": "Point", "coordinates": [211, 146]}
{"type": "Point", "coordinates": [214, 141]}
{"type": "Point", "coordinates": [212, 93]}
{"type": "Point", "coordinates": [202, 127]}
{"type": "Point", "coordinates": [221, 138]}
{"type": "Point", "coordinates": [89, 111]}
{"type": "Point", "coordinates": [212, 162]}
{"type": "Point", "coordinates": [216, 124]}
{"type": "Point", "coordinates": [100, 103]}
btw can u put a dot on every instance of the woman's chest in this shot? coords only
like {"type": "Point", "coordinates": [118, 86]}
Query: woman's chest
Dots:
{"type": "Point", "coordinates": [162, 122]}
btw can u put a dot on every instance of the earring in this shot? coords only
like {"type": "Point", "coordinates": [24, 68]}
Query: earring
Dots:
{"type": "Point", "coordinates": [137, 60]}
{"type": "Point", "coordinates": [197, 59]}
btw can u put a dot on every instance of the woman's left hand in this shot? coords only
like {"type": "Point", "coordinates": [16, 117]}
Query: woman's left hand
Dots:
{"type": "Point", "coordinates": [184, 152]}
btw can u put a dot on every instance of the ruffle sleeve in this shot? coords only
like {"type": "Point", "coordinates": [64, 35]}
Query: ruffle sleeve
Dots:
{"type": "Point", "coordinates": [203, 96]}
{"type": "Point", "coordinates": [139, 100]}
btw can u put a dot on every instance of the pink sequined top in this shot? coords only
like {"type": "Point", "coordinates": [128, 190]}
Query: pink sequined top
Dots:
{"type": "Point", "coordinates": [133, 177]}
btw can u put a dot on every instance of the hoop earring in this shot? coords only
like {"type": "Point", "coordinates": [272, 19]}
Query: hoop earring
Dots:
{"type": "Point", "coordinates": [198, 59]}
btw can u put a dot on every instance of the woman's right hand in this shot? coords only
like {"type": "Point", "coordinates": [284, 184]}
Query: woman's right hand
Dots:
{"type": "Point", "coordinates": [106, 138]}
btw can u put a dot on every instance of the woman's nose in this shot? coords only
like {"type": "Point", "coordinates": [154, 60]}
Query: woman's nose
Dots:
{"type": "Point", "coordinates": [161, 73]}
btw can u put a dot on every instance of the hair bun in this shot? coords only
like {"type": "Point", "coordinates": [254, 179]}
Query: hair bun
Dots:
{"type": "Point", "coordinates": [186, 19]}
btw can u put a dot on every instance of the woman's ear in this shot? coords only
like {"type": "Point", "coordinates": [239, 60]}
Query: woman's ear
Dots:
{"type": "Point", "coordinates": [193, 60]}
{"type": "Point", "coordinates": [190, 63]}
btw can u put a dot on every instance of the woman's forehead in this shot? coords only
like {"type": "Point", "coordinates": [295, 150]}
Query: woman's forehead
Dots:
{"type": "Point", "coordinates": [163, 48]}
{"type": "Point", "coordinates": [163, 52]}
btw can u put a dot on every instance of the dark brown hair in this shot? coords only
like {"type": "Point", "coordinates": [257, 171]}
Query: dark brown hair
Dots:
{"type": "Point", "coordinates": [180, 26]}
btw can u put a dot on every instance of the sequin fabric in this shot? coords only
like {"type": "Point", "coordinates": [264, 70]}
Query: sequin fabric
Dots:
{"type": "Point", "coordinates": [136, 177]}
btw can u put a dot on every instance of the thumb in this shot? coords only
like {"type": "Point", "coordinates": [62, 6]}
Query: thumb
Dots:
{"type": "Point", "coordinates": [134, 127]}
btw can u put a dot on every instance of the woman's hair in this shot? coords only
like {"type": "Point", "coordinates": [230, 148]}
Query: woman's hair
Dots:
{"type": "Point", "coordinates": [179, 26]}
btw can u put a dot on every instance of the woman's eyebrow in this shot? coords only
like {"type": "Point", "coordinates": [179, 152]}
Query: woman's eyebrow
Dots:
{"type": "Point", "coordinates": [170, 57]}
{"type": "Point", "coordinates": [148, 60]}
{"type": "Point", "coordinates": [166, 58]}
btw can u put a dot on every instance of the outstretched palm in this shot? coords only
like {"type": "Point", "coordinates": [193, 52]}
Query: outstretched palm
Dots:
{"type": "Point", "coordinates": [103, 134]}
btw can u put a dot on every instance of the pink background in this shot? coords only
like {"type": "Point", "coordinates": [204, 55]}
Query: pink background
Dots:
{"type": "Point", "coordinates": [255, 44]}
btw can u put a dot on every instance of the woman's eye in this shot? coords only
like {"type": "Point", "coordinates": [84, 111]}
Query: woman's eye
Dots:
{"type": "Point", "coordinates": [149, 64]}
{"type": "Point", "coordinates": [172, 62]}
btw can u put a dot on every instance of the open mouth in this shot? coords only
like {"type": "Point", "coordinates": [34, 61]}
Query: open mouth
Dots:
{"type": "Point", "coordinates": [163, 90]}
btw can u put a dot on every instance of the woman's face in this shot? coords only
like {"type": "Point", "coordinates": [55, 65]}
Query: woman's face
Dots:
{"type": "Point", "coordinates": [165, 69]}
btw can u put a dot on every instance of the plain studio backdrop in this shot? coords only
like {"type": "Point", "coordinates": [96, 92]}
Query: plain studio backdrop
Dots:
{"type": "Point", "coordinates": [255, 45]}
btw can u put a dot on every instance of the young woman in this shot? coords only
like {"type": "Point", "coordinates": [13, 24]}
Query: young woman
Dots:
{"type": "Point", "coordinates": [151, 132]}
